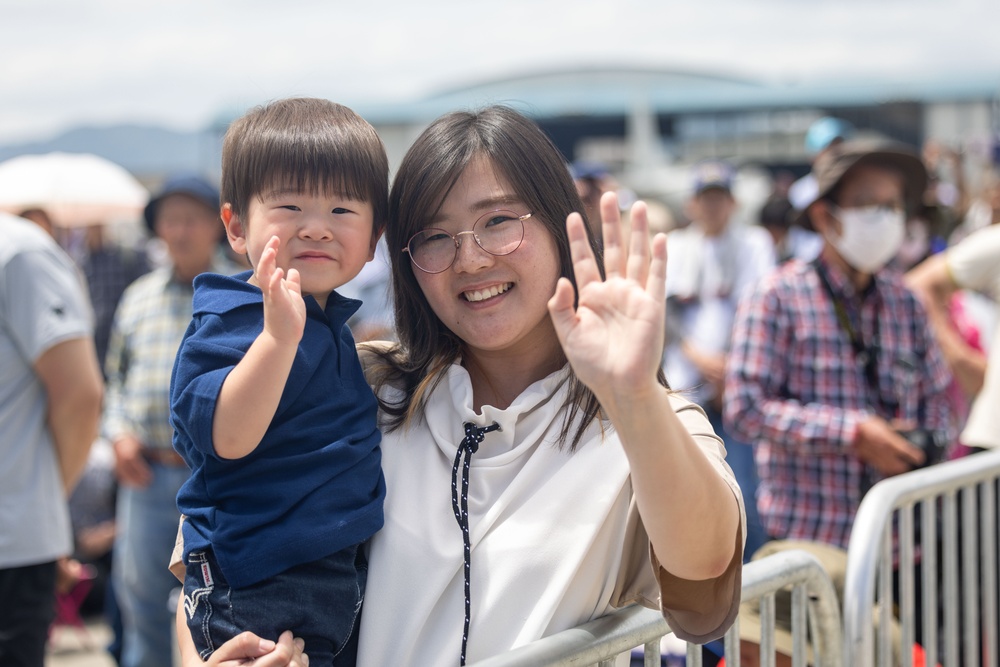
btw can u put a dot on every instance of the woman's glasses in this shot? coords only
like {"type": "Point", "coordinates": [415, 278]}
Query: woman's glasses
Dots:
{"type": "Point", "coordinates": [497, 232]}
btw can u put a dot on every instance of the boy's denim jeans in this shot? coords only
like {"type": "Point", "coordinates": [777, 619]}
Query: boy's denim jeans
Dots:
{"type": "Point", "coordinates": [319, 601]}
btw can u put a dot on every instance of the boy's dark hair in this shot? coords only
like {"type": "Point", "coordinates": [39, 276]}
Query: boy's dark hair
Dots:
{"type": "Point", "coordinates": [305, 144]}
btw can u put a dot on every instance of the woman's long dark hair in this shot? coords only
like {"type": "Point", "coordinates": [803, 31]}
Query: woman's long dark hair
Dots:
{"type": "Point", "coordinates": [527, 159]}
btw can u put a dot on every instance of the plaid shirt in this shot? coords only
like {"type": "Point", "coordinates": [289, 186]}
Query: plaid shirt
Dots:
{"type": "Point", "coordinates": [795, 390]}
{"type": "Point", "coordinates": [150, 321]}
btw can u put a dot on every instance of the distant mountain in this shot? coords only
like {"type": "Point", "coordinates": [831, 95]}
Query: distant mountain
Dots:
{"type": "Point", "coordinates": [148, 152]}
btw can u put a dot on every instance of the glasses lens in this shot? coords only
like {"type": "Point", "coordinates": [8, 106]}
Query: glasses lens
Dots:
{"type": "Point", "coordinates": [432, 250]}
{"type": "Point", "coordinates": [499, 232]}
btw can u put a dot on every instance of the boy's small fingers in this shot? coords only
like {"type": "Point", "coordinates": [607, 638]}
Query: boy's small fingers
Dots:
{"type": "Point", "coordinates": [294, 280]}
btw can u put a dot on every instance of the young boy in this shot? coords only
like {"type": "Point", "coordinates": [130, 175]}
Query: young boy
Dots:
{"type": "Point", "coordinates": [269, 405]}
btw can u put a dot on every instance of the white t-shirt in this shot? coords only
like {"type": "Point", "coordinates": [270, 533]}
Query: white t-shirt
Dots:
{"type": "Point", "coordinates": [975, 264]}
{"type": "Point", "coordinates": [556, 538]}
{"type": "Point", "coordinates": [42, 304]}
{"type": "Point", "coordinates": [706, 276]}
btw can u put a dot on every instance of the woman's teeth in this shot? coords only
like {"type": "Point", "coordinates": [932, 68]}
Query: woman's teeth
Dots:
{"type": "Point", "coordinates": [481, 295]}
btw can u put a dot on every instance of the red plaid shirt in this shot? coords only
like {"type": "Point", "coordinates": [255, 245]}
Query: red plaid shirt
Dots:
{"type": "Point", "coordinates": [795, 391]}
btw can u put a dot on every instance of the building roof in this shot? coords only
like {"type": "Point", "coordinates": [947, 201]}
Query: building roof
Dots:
{"type": "Point", "coordinates": [613, 90]}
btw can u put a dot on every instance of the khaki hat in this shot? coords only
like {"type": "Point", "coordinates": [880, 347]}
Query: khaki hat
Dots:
{"type": "Point", "coordinates": [833, 165]}
{"type": "Point", "coordinates": [834, 562]}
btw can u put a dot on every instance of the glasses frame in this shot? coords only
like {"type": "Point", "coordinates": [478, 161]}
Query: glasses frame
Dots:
{"type": "Point", "coordinates": [455, 237]}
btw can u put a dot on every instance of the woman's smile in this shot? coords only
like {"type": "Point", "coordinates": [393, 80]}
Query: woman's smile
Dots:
{"type": "Point", "coordinates": [483, 294]}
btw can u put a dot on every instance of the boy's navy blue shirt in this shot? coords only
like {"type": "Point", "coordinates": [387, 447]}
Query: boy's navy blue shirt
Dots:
{"type": "Point", "coordinates": [314, 484]}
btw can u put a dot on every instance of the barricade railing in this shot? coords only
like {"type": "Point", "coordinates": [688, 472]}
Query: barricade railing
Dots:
{"type": "Point", "coordinates": [902, 526]}
{"type": "Point", "coordinates": [601, 641]}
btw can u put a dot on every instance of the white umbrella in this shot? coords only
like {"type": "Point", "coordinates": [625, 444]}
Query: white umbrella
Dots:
{"type": "Point", "coordinates": [74, 188]}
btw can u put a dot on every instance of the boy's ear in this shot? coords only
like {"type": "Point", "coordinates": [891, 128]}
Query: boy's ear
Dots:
{"type": "Point", "coordinates": [376, 235]}
{"type": "Point", "coordinates": [234, 229]}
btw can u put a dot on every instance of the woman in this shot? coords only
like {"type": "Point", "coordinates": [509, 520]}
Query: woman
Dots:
{"type": "Point", "coordinates": [539, 473]}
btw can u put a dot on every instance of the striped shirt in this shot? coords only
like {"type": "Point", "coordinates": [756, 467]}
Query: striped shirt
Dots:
{"type": "Point", "coordinates": [795, 390]}
{"type": "Point", "coordinates": [149, 323]}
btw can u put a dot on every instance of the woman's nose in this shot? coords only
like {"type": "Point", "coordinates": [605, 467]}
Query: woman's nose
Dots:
{"type": "Point", "coordinates": [469, 256]}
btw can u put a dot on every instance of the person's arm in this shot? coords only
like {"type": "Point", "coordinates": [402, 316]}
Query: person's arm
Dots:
{"type": "Point", "coordinates": [933, 285]}
{"type": "Point", "coordinates": [612, 341]}
{"type": "Point", "coordinates": [251, 392]}
{"type": "Point", "coordinates": [74, 388]}
{"type": "Point", "coordinates": [711, 365]}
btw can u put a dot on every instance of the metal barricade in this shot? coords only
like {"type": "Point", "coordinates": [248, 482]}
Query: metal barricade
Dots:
{"type": "Point", "coordinates": [601, 641]}
{"type": "Point", "coordinates": [902, 525]}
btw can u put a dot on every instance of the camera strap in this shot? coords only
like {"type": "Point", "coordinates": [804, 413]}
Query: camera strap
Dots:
{"type": "Point", "coordinates": [865, 356]}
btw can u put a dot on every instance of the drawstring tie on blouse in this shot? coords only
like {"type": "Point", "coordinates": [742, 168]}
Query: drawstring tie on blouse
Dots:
{"type": "Point", "coordinates": [460, 503]}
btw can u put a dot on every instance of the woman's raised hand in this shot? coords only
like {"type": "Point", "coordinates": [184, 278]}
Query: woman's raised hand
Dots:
{"type": "Point", "coordinates": [613, 339]}
{"type": "Point", "coordinates": [284, 309]}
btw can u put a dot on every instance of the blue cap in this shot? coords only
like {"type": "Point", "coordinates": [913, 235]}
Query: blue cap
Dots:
{"type": "Point", "coordinates": [191, 185]}
{"type": "Point", "coordinates": [713, 174]}
{"type": "Point", "coordinates": [825, 131]}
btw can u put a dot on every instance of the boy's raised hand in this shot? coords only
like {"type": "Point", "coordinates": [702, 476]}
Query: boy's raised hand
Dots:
{"type": "Point", "coordinates": [284, 308]}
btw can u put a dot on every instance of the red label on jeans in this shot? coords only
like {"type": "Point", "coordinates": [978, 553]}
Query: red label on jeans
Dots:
{"type": "Point", "coordinates": [206, 574]}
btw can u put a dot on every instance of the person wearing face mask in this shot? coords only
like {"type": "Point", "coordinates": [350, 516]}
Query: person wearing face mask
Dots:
{"type": "Point", "coordinates": [834, 374]}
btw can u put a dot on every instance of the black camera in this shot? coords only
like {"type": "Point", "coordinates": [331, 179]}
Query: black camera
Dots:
{"type": "Point", "coordinates": [929, 442]}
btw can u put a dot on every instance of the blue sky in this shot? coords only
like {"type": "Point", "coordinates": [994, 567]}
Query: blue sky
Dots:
{"type": "Point", "coordinates": [180, 64]}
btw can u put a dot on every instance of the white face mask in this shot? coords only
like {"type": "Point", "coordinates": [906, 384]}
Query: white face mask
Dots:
{"type": "Point", "coordinates": [869, 237]}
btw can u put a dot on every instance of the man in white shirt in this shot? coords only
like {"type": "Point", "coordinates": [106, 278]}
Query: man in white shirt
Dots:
{"type": "Point", "coordinates": [713, 261]}
{"type": "Point", "coordinates": [50, 402]}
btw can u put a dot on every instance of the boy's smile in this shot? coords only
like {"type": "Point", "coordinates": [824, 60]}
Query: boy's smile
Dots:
{"type": "Point", "coordinates": [327, 237]}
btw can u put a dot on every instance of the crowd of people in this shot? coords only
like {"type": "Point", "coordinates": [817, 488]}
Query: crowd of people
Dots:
{"type": "Point", "coordinates": [549, 414]}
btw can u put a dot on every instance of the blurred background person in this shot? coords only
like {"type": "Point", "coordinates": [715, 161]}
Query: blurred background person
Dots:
{"type": "Point", "coordinates": [109, 268]}
{"type": "Point", "coordinates": [592, 179]}
{"type": "Point", "coordinates": [833, 371]}
{"type": "Point", "coordinates": [148, 326]}
{"type": "Point", "coordinates": [822, 135]}
{"type": "Point", "coordinates": [92, 517]}
{"type": "Point", "coordinates": [946, 198]}
{"type": "Point", "coordinates": [984, 207]}
{"type": "Point", "coordinates": [971, 264]}
{"type": "Point", "coordinates": [791, 241]}
{"type": "Point", "coordinates": [50, 402]}
{"type": "Point", "coordinates": [40, 218]}
{"type": "Point", "coordinates": [713, 261]}
{"type": "Point", "coordinates": [375, 319]}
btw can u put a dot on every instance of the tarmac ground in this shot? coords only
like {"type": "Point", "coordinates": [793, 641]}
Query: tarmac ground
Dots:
{"type": "Point", "coordinates": [71, 646]}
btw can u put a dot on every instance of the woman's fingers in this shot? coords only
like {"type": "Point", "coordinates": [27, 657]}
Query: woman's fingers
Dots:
{"type": "Point", "coordinates": [584, 263]}
{"type": "Point", "coordinates": [241, 649]}
{"type": "Point", "coordinates": [642, 262]}
{"type": "Point", "coordinates": [637, 265]}
{"type": "Point", "coordinates": [656, 282]}
{"type": "Point", "coordinates": [611, 230]}
{"type": "Point", "coordinates": [561, 309]}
